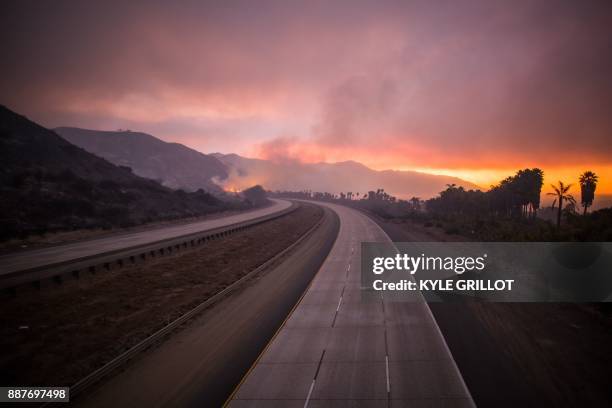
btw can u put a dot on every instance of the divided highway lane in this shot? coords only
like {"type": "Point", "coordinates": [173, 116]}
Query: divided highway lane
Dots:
{"type": "Point", "coordinates": [201, 365]}
{"type": "Point", "coordinates": [39, 258]}
{"type": "Point", "coordinates": [337, 349]}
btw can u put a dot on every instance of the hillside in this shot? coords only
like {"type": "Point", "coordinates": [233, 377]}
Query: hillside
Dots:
{"type": "Point", "coordinates": [172, 164]}
{"type": "Point", "coordinates": [48, 184]}
{"type": "Point", "coordinates": [332, 177]}
{"type": "Point", "coordinates": [178, 166]}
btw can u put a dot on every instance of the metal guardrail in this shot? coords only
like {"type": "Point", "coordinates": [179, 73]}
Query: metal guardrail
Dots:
{"type": "Point", "coordinates": [118, 258]}
{"type": "Point", "coordinates": [120, 360]}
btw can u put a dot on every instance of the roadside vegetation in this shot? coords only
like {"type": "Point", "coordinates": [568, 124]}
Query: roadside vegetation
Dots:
{"type": "Point", "coordinates": [509, 211]}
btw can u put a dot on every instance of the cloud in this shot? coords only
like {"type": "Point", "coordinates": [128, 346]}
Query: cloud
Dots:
{"type": "Point", "coordinates": [393, 84]}
{"type": "Point", "coordinates": [286, 149]}
{"type": "Point", "coordinates": [502, 87]}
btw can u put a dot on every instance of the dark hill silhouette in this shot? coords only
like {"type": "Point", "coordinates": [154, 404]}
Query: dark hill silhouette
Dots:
{"type": "Point", "coordinates": [172, 164]}
{"type": "Point", "coordinates": [48, 184]}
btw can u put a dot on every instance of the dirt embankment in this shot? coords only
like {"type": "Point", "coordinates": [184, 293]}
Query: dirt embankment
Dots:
{"type": "Point", "coordinates": [524, 354]}
{"type": "Point", "coordinates": [58, 335]}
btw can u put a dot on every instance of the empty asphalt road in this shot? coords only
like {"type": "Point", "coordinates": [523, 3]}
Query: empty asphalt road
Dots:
{"type": "Point", "coordinates": [339, 349]}
{"type": "Point", "coordinates": [201, 365]}
{"type": "Point", "coordinates": [334, 348]}
{"type": "Point", "coordinates": [38, 258]}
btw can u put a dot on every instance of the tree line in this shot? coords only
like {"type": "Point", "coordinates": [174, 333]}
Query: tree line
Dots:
{"type": "Point", "coordinates": [516, 196]}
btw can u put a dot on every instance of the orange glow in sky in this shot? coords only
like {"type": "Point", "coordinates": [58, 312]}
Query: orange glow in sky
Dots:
{"type": "Point", "coordinates": [476, 91]}
{"type": "Point", "coordinates": [482, 174]}
{"type": "Point", "coordinates": [487, 177]}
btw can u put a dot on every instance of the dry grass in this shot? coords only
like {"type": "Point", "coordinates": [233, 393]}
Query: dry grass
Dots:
{"type": "Point", "coordinates": [561, 349]}
{"type": "Point", "coordinates": [57, 336]}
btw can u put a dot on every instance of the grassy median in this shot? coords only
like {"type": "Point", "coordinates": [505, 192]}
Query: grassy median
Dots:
{"type": "Point", "coordinates": [58, 335]}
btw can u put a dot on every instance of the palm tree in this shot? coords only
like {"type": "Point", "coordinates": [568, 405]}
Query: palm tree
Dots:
{"type": "Point", "coordinates": [588, 184]}
{"type": "Point", "coordinates": [536, 181]}
{"type": "Point", "coordinates": [561, 194]}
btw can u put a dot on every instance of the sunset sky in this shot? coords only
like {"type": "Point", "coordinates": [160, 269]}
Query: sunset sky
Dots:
{"type": "Point", "coordinates": [475, 89]}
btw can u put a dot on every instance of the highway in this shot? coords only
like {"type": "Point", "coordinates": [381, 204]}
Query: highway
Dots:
{"type": "Point", "coordinates": [265, 346]}
{"type": "Point", "coordinates": [338, 349]}
{"type": "Point", "coordinates": [200, 365]}
{"type": "Point", "coordinates": [38, 258]}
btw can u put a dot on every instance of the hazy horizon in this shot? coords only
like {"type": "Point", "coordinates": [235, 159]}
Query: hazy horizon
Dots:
{"type": "Point", "coordinates": [288, 174]}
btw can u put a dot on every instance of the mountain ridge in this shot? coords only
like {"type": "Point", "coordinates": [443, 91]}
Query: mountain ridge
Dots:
{"type": "Point", "coordinates": [48, 184]}
{"type": "Point", "coordinates": [335, 177]}
{"type": "Point", "coordinates": [172, 164]}
{"type": "Point", "coordinates": [178, 166]}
